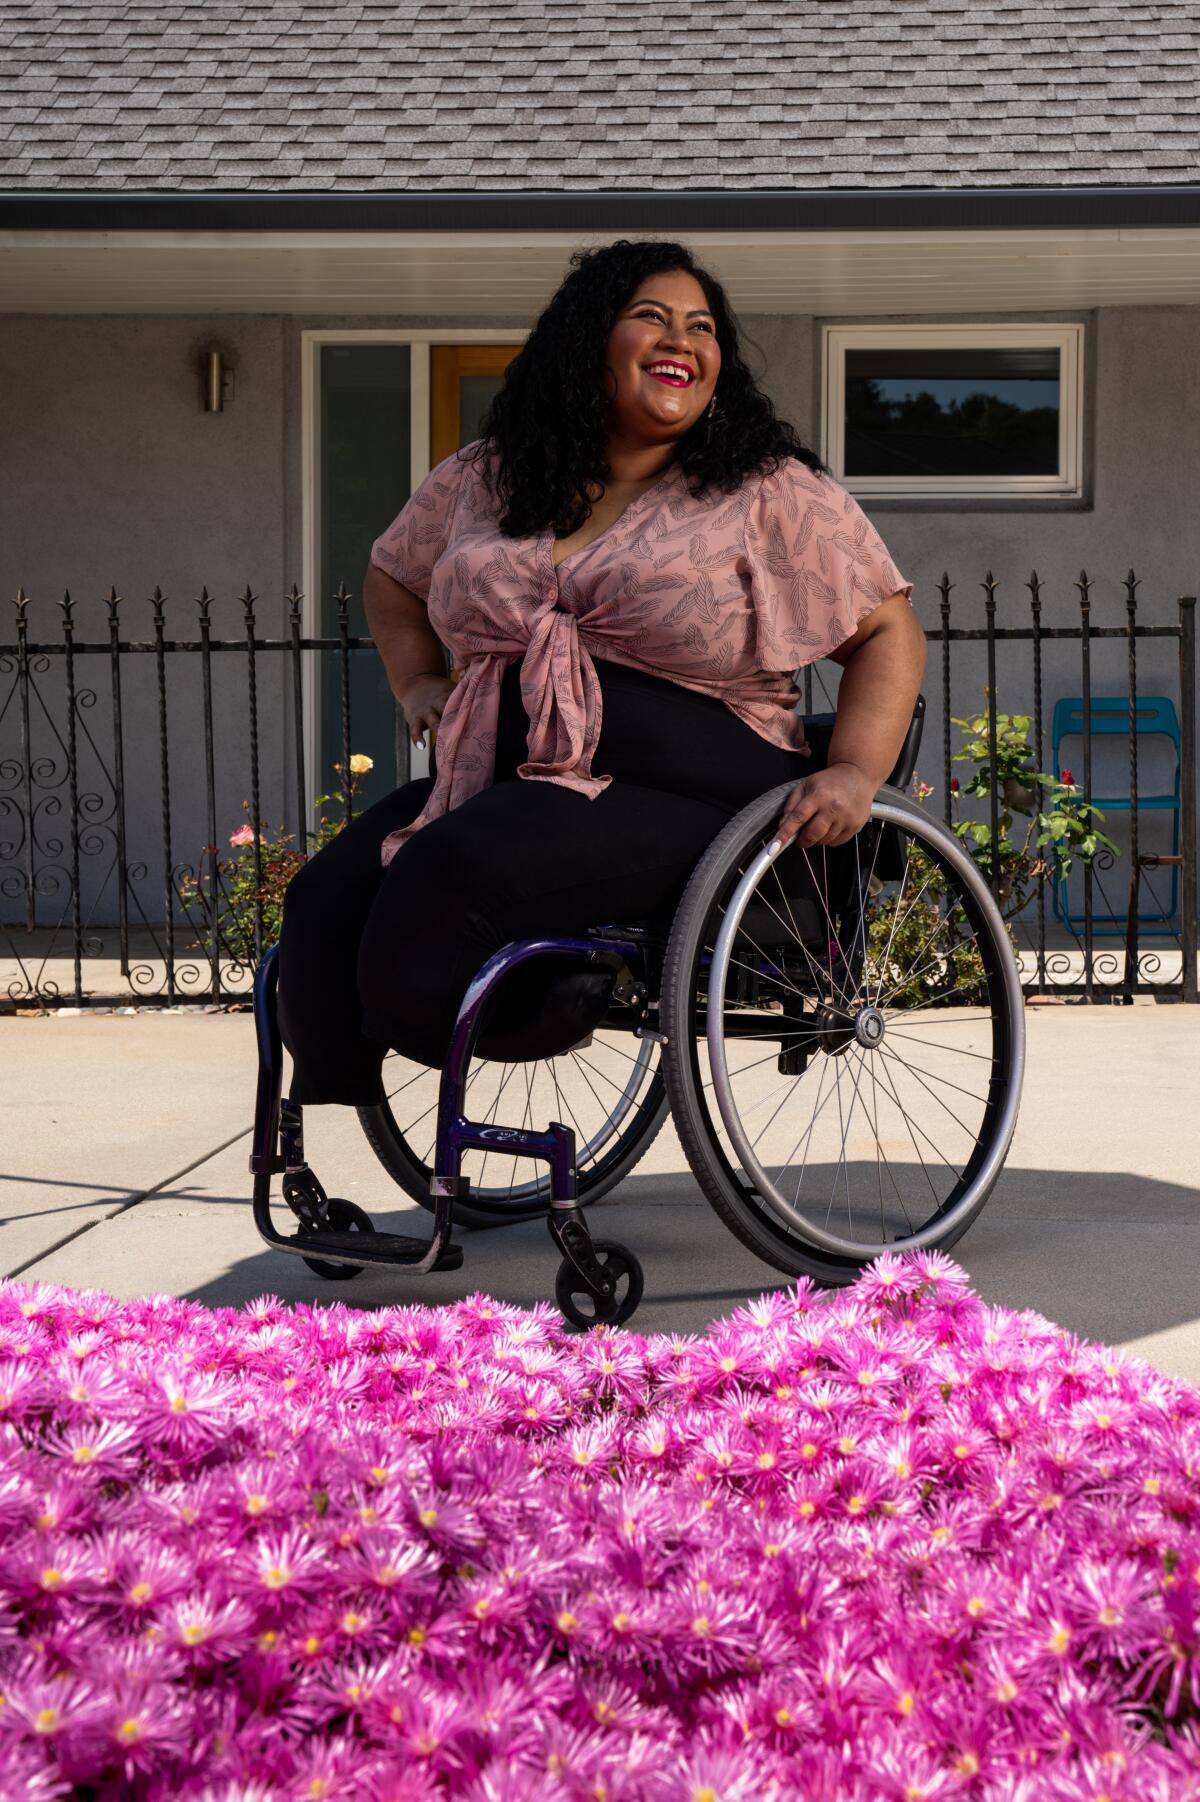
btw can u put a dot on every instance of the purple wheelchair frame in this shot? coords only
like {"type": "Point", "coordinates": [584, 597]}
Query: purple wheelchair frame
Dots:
{"type": "Point", "coordinates": [278, 1147]}
{"type": "Point", "coordinates": [332, 1251]}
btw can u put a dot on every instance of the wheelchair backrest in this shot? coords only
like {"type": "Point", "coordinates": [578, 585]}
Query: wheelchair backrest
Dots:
{"type": "Point", "coordinates": [818, 730]}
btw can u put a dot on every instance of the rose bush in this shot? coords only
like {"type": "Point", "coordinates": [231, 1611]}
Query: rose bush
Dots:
{"type": "Point", "coordinates": [1044, 826]}
{"type": "Point", "coordinates": [240, 891]}
{"type": "Point", "coordinates": [882, 1543]}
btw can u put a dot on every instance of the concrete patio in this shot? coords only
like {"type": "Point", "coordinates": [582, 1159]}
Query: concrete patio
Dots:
{"type": "Point", "coordinates": [124, 1168]}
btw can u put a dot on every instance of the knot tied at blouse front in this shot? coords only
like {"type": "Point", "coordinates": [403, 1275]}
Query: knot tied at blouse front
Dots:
{"type": "Point", "coordinates": [561, 694]}
{"type": "Point", "coordinates": [725, 595]}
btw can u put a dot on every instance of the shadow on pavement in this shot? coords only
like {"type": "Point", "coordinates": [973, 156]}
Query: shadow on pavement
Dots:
{"type": "Point", "coordinates": [1109, 1256]}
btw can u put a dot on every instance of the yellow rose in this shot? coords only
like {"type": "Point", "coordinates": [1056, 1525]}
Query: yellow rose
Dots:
{"type": "Point", "coordinates": [359, 765]}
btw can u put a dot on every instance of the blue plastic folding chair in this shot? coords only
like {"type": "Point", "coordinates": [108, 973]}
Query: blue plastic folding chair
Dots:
{"type": "Point", "coordinates": [1155, 718]}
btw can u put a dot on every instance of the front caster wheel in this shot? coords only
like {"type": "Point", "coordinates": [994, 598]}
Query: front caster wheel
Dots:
{"type": "Point", "coordinates": [581, 1308]}
{"type": "Point", "coordinates": [342, 1217]}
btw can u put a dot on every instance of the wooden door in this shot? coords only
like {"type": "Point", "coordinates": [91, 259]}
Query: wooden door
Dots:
{"type": "Point", "coordinates": [462, 381]}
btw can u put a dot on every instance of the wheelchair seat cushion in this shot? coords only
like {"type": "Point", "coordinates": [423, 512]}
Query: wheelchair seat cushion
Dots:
{"type": "Point", "coordinates": [543, 1008]}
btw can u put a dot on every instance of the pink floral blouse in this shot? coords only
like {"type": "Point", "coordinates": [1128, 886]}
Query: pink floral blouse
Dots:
{"type": "Point", "coordinates": [726, 595]}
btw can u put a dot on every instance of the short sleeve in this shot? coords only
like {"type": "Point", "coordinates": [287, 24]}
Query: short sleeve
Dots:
{"type": "Point", "coordinates": [420, 532]}
{"type": "Point", "coordinates": [817, 566]}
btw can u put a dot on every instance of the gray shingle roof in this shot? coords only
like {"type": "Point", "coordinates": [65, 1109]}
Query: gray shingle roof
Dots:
{"type": "Point", "coordinates": [385, 95]}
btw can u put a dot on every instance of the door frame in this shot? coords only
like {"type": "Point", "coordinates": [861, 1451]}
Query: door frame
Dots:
{"type": "Point", "coordinates": [419, 339]}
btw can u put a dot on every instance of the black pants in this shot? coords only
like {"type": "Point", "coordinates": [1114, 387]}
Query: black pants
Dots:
{"type": "Point", "coordinates": [372, 958]}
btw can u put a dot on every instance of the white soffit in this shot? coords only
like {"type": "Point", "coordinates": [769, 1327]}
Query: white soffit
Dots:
{"type": "Point", "coordinates": [509, 275]}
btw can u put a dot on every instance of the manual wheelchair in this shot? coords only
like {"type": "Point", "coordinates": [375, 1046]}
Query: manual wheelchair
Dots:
{"type": "Point", "coordinates": [838, 1035]}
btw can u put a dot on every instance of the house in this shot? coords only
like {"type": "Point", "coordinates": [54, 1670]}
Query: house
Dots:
{"type": "Point", "coordinates": [259, 268]}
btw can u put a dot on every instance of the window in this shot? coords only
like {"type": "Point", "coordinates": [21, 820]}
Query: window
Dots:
{"type": "Point", "coordinates": [954, 410]}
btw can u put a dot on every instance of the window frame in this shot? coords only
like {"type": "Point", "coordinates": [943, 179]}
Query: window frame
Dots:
{"type": "Point", "coordinates": [1067, 339]}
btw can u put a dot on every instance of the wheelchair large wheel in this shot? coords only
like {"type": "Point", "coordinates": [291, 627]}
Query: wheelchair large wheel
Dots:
{"type": "Point", "coordinates": [845, 1038]}
{"type": "Point", "coordinates": [610, 1092]}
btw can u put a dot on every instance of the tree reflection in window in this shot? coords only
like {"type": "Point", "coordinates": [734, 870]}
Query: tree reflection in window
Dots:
{"type": "Point", "coordinates": [961, 412]}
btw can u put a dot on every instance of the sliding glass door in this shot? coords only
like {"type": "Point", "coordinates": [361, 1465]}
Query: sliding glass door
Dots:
{"type": "Point", "coordinates": [365, 477]}
{"type": "Point", "coordinates": [367, 394]}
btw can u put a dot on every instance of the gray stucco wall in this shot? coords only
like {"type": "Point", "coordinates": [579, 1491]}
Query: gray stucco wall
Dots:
{"type": "Point", "coordinates": [111, 473]}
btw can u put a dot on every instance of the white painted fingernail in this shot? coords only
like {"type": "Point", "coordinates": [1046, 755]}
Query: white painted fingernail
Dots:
{"type": "Point", "coordinates": [420, 744]}
{"type": "Point", "coordinates": [775, 847]}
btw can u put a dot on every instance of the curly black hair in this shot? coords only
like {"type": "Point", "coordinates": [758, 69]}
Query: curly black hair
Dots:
{"type": "Point", "coordinates": [544, 434]}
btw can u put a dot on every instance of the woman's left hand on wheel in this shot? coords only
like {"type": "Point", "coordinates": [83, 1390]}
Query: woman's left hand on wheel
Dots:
{"type": "Point", "coordinates": [827, 808]}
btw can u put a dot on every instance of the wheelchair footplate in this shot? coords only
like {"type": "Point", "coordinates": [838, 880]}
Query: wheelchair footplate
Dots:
{"type": "Point", "coordinates": [336, 1238]}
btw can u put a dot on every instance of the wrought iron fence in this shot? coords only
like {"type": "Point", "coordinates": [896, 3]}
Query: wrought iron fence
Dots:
{"type": "Point", "coordinates": [97, 909]}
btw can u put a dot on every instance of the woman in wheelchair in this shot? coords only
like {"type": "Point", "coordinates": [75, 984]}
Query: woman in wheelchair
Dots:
{"type": "Point", "coordinates": [626, 568]}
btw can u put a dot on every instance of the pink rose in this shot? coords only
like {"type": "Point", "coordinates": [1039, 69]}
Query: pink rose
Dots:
{"type": "Point", "coordinates": [243, 836]}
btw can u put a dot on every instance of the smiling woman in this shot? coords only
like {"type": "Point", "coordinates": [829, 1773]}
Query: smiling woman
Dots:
{"type": "Point", "coordinates": [627, 565]}
{"type": "Point", "coordinates": [662, 368]}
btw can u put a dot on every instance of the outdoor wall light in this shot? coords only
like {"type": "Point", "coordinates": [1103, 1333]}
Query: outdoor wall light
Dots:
{"type": "Point", "coordinates": [218, 380]}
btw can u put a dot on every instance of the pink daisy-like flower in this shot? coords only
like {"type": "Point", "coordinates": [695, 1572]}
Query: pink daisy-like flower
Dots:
{"type": "Point", "coordinates": [512, 1783]}
{"type": "Point", "coordinates": [98, 1450]}
{"type": "Point", "coordinates": [55, 1569]}
{"type": "Point", "coordinates": [147, 1574]}
{"type": "Point", "coordinates": [715, 1773]}
{"type": "Point", "coordinates": [908, 1772]}
{"type": "Point", "coordinates": [888, 1279]}
{"type": "Point", "coordinates": [26, 1777]}
{"type": "Point", "coordinates": [22, 1389]}
{"type": "Point", "coordinates": [707, 1630]}
{"type": "Point", "coordinates": [91, 1390]}
{"type": "Point", "coordinates": [1109, 1604]}
{"type": "Point", "coordinates": [207, 1627]}
{"type": "Point", "coordinates": [612, 1363]}
{"type": "Point", "coordinates": [280, 1565]}
{"type": "Point", "coordinates": [145, 1724]}
{"type": "Point", "coordinates": [188, 1408]}
{"type": "Point", "coordinates": [51, 1710]}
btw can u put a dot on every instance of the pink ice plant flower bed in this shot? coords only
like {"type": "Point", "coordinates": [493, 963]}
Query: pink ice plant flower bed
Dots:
{"type": "Point", "coordinates": [882, 1543]}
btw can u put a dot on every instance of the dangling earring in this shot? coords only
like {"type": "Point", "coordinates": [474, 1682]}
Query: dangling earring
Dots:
{"type": "Point", "coordinates": [713, 418]}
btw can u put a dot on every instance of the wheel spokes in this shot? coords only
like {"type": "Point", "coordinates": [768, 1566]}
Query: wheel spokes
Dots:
{"type": "Point", "coordinates": [879, 1147]}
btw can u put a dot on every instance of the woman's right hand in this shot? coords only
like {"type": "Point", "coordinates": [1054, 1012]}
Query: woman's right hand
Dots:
{"type": "Point", "coordinates": [424, 700]}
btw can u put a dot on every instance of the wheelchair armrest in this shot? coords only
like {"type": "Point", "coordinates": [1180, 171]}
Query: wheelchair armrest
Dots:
{"type": "Point", "coordinates": [818, 730]}
{"type": "Point", "coordinates": [906, 763]}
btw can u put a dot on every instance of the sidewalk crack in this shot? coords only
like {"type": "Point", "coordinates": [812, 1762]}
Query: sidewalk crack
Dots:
{"type": "Point", "coordinates": [123, 1207]}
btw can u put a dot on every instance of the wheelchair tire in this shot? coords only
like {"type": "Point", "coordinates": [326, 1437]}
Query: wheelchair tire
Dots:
{"type": "Point", "coordinates": [580, 1308]}
{"type": "Point", "coordinates": [866, 1020]}
{"type": "Point", "coordinates": [617, 1142]}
